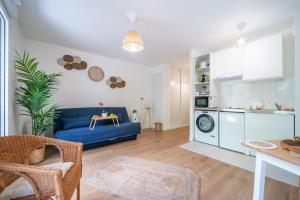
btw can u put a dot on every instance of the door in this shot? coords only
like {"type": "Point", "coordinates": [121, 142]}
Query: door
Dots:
{"type": "Point", "coordinates": [232, 131]}
{"type": "Point", "coordinates": [175, 97]}
{"type": "Point", "coordinates": [206, 127]}
{"type": "Point", "coordinates": [3, 72]}
{"type": "Point", "coordinates": [157, 92]}
{"type": "Point", "coordinates": [205, 123]}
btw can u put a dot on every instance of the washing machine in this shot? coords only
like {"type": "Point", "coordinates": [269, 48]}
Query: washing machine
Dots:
{"type": "Point", "coordinates": [207, 127]}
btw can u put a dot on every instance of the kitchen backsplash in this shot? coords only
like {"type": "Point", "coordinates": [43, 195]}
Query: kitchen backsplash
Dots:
{"type": "Point", "coordinates": [241, 94]}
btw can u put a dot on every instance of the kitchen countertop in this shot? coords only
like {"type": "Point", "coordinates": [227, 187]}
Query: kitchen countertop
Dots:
{"type": "Point", "coordinates": [208, 109]}
{"type": "Point", "coordinates": [241, 110]}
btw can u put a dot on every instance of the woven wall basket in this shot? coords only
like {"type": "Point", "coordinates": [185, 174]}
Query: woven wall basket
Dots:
{"type": "Point", "coordinates": [96, 73]}
{"type": "Point", "coordinates": [37, 155]}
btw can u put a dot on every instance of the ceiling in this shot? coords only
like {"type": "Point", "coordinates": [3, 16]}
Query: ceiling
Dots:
{"type": "Point", "coordinates": [169, 27]}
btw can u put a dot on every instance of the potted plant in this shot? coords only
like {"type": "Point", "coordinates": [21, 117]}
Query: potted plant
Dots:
{"type": "Point", "coordinates": [104, 113]}
{"type": "Point", "coordinates": [34, 91]}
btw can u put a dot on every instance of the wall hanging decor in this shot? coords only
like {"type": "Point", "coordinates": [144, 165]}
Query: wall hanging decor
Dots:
{"type": "Point", "coordinates": [96, 73]}
{"type": "Point", "coordinates": [72, 62]}
{"type": "Point", "coordinates": [115, 82]}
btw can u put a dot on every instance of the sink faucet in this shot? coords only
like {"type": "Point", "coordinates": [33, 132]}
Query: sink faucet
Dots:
{"type": "Point", "coordinates": [278, 106]}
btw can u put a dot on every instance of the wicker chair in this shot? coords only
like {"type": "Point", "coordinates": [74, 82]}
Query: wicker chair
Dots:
{"type": "Point", "coordinates": [14, 154]}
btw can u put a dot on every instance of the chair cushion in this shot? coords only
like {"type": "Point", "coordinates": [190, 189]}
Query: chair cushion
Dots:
{"type": "Point", "coordinates": [69, 123]}
{"type": "Point", "coordinates": [22, 188]}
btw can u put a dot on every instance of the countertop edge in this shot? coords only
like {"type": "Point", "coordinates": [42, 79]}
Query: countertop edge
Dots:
{"type": "Point", "coordinates": [266, 111]}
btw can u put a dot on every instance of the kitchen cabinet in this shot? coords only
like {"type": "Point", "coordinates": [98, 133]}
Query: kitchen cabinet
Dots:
{"type": "Point", "coordinates": [260, 126]}
{"type": "Point", "coordinates": [262, 59]}
{"type": "Point", "coordinates": [228, 63]}
{"type": "Point", "coordinates": [232, 131]}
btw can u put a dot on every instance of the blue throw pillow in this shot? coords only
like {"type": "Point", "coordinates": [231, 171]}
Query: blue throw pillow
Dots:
{"type": "Point", "coordinates": [69, 123]}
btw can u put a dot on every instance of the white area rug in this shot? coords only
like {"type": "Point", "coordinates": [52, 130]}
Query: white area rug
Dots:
{"type": "Point", "coordinates": [240, 160]}
{"type": "Point", "coordinates": [138, 179]}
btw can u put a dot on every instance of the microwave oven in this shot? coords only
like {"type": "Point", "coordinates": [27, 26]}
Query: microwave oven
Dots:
{"type": "Point", "coordinates": [205, 102]}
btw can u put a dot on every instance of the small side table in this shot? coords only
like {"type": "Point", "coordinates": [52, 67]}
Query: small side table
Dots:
{"type": "Point", "coordinates": [96, 118]}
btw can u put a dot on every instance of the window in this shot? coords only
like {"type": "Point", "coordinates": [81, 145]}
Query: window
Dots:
{"type": "Point", "coordinates": [3, 71]}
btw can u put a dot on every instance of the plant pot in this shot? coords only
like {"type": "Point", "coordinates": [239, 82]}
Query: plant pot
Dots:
{"type": "Point", "coordinates": [37, 155]}
{"type": "Point", "coordinates": [134, 117]}
{"type": "Point", "coordinates": [104, 115]}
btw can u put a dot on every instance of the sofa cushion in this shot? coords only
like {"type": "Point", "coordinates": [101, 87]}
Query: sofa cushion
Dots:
{"type": "Point", "coordinates": [100, 133]}
{"type": "Point", "coordinates": [69, 123]}
{"type": "Point", "coordinates": [22, 188]}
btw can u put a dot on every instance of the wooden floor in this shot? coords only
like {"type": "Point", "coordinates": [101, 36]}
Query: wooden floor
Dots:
{"type": "Point", "coordinates": [219, 180]}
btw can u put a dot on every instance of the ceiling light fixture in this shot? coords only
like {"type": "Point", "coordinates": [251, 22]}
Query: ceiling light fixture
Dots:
{"type": "Point", "coordinates": [132, 42]}
{"type": "Point", "coordinates": [242, 41]}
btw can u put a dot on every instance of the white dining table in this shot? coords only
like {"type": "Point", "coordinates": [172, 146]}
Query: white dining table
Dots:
{"type": "Point", "coordinates": [278, 157]}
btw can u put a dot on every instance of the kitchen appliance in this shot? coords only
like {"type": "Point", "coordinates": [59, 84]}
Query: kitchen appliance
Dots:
{"type": "Point", "coordinates": [205, 102]}
{"type": "Point", "coordinates": [206, 127]}
{"type": "Point", "coordinates": [201, 102]}
{"type": "Point", "coordinates": [232, 130]}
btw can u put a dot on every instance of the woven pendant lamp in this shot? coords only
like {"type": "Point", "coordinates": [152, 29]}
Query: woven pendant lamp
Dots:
{"type": "Point", "coordinates": [133, 42]}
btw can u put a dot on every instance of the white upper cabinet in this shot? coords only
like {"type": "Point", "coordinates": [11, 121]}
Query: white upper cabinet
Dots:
{"type": "Point", "coordinates": [227, 63]}
{"type": "Point", "coordinates": [262, 59]}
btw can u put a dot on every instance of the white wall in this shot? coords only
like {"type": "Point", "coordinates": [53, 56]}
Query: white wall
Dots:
{"type": "Point", "coordinates": [16, 43]}
{"type": "Point", "coordinates": [297, 71]}
{"type": "Point", "coordinates": [75, 89]}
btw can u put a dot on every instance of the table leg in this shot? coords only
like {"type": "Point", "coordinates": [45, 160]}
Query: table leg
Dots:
{"type": "Point", "coordinates": [260, 175]}
{"type": "Point", "coordinates": [299, 190]}
{"type": "Point", "coordinates": [95, 121]}
{"type": "Point", "coordinates": [90, 127]}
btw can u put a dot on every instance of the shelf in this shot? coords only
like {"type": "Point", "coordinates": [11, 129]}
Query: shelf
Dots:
{"type": "Point", "coordinates": [203, 69]}
{"type": "Point", "coordinates": [202, 83]}
{"type": "Point", "coordinates": [203, 95]}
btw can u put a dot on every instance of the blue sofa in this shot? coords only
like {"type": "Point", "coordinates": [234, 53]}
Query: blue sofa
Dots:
{"type": "Point", "coordinates": [73, 125]}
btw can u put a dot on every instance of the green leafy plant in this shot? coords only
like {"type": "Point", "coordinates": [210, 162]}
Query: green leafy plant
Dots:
{"type": "Point", "coordinates": [34, 92]}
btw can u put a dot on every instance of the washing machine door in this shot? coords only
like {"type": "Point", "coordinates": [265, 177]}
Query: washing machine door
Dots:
{"type": "Point", "coordinates": [205, 123]}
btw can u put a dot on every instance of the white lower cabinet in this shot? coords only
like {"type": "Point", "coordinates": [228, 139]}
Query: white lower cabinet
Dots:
{"type": "Point", "coordinates": [231, 131]}
{"type": "Point", "coordinates": [260, 126]}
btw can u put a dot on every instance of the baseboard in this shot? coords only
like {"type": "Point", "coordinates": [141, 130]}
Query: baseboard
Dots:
{"type": "Point", "coordinates": [175, 126]}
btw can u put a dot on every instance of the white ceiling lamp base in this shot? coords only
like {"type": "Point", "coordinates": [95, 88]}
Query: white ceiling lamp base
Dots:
{"type": "Point", "coordinates": [132, 42]}
{"type": "Point", "coordinates": [242, 41]}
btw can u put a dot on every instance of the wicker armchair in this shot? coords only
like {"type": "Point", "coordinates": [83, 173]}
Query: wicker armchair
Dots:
{"type": "Point", "coordinates": [14, 154]}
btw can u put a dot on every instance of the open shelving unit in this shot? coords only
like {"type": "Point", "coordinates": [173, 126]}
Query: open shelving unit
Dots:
{"type": "Point", "coordinates": [202, 75]}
